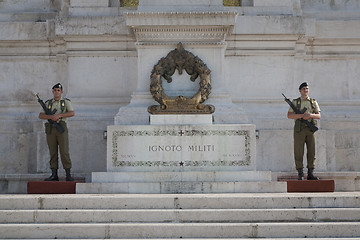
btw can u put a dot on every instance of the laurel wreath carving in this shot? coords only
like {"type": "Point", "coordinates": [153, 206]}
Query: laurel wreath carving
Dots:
{"type": "Point", "coordinates": [180, 59]}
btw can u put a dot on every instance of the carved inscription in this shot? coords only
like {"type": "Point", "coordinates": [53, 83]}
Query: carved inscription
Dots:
{"type": "Point", "coordinates": [179, 148]}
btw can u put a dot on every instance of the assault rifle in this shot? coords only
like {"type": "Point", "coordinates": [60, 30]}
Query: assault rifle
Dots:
{"type": "Point", "coordinates": [309, 124]}
{"type": "Point", "coordinates": [48, 112]}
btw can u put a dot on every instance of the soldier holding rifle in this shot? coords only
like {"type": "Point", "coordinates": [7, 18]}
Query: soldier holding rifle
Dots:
{"type": "Point", "coordinates": [304, 110]}
{"type": "Point", "coordinates": [56, 111]}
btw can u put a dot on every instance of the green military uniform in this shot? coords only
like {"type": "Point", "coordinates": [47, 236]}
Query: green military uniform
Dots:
{"type": "Point", "coordinates": [54, 138]}
{"type": "Point", "coordinates": [303, 134]}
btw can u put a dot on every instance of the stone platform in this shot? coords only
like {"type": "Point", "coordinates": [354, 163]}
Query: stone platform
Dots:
{"type": "Point", "coordinates": [182, 182]}
{"type": "Point", "coordinates": [344, 181]}
{"type": "Point", "coordinates": [310, 186]}
{"type": "Point", "coordinates": [18, 183]}
{"type": "Point", "coordinates": [55, 187]}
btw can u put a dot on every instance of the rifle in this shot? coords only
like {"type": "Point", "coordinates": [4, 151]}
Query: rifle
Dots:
{"type": "Point", "coordinates": [309, 124]}
{"type": "Point", "coordinates": [48, 112]}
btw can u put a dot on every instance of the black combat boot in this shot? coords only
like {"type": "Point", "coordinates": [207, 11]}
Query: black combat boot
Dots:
{"type": "Point", "coordinates": [300, 174]}
{"type": "Point", "coordinates": [310, 175]}
{"type": "Point", "coordinates": [53, 177]}
{"type": "Point", "coordinates": [68, 175]}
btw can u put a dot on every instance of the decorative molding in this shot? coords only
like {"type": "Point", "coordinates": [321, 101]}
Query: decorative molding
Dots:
{"type": "Point", "coordinates": [168, 42]}
{"type": "Point", "coordinates": [169, 27]}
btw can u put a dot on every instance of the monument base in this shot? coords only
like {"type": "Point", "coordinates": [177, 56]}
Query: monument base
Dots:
{"type": "Point", "coordinates": [182, 182]}
{"type": "Point", "coordinates": [181, 154]}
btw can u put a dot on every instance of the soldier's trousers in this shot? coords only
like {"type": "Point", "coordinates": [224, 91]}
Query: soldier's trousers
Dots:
{"type": "Point", "coordinates": [305, 136]}
{"type": "Point", "coordinates": [58, 141]}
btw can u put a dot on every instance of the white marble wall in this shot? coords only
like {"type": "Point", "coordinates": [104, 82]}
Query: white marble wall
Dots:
{"type": "Point", "coordinates": [271, 50]}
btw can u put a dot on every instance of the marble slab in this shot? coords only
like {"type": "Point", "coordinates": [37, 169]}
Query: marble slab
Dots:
{"type": "Point", "coordinates": [220, 147]}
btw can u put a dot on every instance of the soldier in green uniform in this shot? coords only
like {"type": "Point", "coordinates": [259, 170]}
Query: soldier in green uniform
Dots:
{"type": "Point", "coordinates": [54, 138]}
{"type": "Point", "coordinates": [302, 133]}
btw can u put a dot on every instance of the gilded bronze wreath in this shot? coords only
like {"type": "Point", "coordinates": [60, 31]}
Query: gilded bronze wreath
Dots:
{"type": "Point", "coordinates": [180, 59]}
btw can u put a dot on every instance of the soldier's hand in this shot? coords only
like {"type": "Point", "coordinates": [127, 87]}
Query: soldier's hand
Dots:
{"type": "Point", "coordinates": [307, 116]}
{"type": "Point", "coordinates": [55, 117]}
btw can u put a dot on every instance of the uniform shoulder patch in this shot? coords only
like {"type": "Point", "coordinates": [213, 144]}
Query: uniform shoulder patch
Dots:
{"type": "Point", "coordinates": [67, 99]}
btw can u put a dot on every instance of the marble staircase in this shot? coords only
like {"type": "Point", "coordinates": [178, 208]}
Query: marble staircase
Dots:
{"type": "Point", "coordinates": [175, 216]}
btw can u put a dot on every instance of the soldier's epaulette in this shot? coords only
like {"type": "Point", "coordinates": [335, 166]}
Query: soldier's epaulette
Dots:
{"type": "Point", "coordinates": [67, 99]}
{"type": "Point", "coordinates": [48, 100]}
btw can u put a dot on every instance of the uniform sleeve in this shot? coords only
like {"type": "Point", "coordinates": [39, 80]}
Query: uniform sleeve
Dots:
{"type": "Point", "coordinates": [68, 106]}
{"type": "Point", "coordinates": [46, 104]}
{"type": "Point", "coordinates": [316, 107]}
{"type": "Point", "coordinates": [290, 109]}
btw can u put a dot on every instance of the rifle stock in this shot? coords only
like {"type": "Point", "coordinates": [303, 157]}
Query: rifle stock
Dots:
{"type": "Point", "coordinates": [48, 112]}
{"type": "Point", "coordinates": [309, 124]}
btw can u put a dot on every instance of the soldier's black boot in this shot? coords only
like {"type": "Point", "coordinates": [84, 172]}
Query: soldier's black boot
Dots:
{"type": "Point", "coordinates": [53, 177]}
{"type": "Point", "coordinates": [69, 178]}
{"type": "Point", "coordinates": [300, 174]}
{"type": "Point", "coordinates": [310, 175]}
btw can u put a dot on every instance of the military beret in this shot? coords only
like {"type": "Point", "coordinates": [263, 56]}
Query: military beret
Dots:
{"type": "Point", "coordinates": [58, 85]}
{"type": "Point", "coordinates": [304, 84]}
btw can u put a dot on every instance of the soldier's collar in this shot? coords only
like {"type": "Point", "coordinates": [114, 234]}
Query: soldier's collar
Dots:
{"type": "Point", "coordinates": [307, 98]}
{"type": "Point", "coordinates": [58, 100]}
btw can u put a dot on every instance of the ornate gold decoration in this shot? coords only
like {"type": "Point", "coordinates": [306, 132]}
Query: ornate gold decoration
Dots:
{"type": "Point", "coordinates": [180, 59]}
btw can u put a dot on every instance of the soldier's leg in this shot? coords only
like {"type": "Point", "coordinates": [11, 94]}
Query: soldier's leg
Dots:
{"type": "Point", "coordinates": [310, 146]}
{"type": "Point", "coordinates": [53, 151]}
{"type": "Point", "coordinates": [299, 142]}
{"type": "Point", "coordinates": [63, 139]}
{"type": "Point", "coordinates": [52, 142]}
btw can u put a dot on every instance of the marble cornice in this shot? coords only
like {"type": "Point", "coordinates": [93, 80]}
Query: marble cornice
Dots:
{"type": "Point", "coordinates": [215, 18]}
{"type": "Point", "coordinates": [168, 27]}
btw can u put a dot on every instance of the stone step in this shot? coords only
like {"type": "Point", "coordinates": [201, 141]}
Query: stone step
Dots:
{"type": "Point", "coordinates": [180, 215]}
{"type": "Point", "coordinates": [25, 5]}
{"type": "Point", "coordinates": [181, 201]}
{"type": "Point", "coordinates": [344, 181]}
{"type": "Point", "coordinates": [181, 187]}
{"type": "Point", "coordinates": [355, 238]}
{"type": "Point", "coordinates": [189, 176]}
{"type": "Point", "coordinates": [96, 11]}
{"type": "Point", "coordinates": [182, 230]}
{"type": "Point", "coordinates": [175, 216]}
{"type": "Point", "coordinates": [27, 16]}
